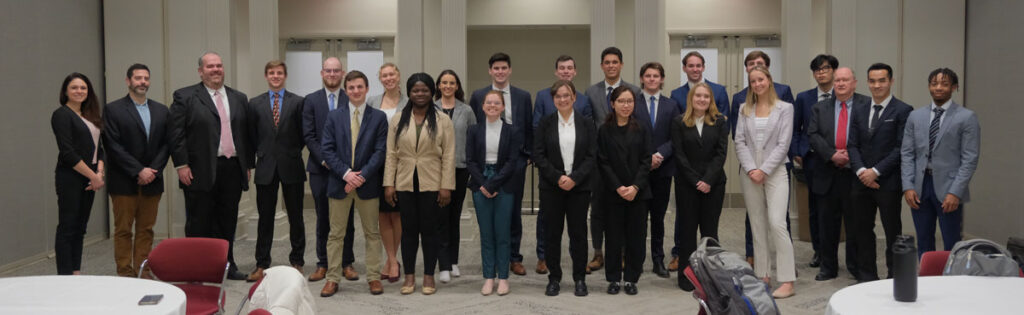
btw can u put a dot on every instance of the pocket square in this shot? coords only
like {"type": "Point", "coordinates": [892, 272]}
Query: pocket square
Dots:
{"type": "Point", "coordinates": [889, 120]}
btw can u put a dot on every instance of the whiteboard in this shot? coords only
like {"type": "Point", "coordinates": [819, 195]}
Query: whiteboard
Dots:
{"type": "Point", "coordinates": [775, 53]}
{"type": "Point", "coordinates": [369, 62]}
{"type": "Point", "coordinates": [710, 64]}
{"type": "Point", "coordinates": [303, 71]}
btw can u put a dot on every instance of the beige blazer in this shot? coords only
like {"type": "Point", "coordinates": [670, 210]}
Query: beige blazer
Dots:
{"type": "Point", "coordinates": [776, 145]}
{"type": "Point", "coordinates": [434, 162]}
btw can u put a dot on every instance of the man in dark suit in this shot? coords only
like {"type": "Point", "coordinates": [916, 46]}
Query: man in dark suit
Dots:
{"type": "Point", "coordinates": [354, 145]}
{"type": "Point", "coordinates": [212, 153]}
{"type": "Point", "coordinates": [876, 133]}
{"type": "Point", "coordinates": [314, 114]}
{"type": "Point", "coordinates": [693, 66]}
{"type": "Point", "coordinates": [833, 179]}
{"type": "Point", "coordinates": [565, 69]}
{"type": "Point", "coordinates": [599, 93]}
{"type": "Point", "coordinates": [823, 70]}
{"type": "Point", "coordinates": [518, 113]}
{"type": "Point", "coordinates": [655, 112]}
{"type": "Point", "coordinates": [134, 134]}
{"type": "Point", "coordinates": [275, 126]}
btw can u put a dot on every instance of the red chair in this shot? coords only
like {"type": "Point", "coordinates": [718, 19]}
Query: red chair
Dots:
{"type": "Point", "coordinates": [933, 262]}
{"type": "Point", "coordinates": [698, 292]}
{"type": "Point", "coordinates": [247, 298]}
{"type": "Point", "coordinates": [260, 311]}
{"type": "Point", "coordinates": [196, 265]}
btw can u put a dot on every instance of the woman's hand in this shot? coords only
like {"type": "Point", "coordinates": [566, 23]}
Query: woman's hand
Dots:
{"type": "Point", "coordinates": [444, 196]}
{"type": "Point", "coordinates": [390, 196]}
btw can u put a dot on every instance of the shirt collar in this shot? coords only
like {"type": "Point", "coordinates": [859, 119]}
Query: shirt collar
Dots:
{"type": "Point", "coordinates": [352, 106]}
{"type": "Point", "coordinates": [884, 102]}
{"type": "Point", "coordinates": [571, 120]}
{"type": "Point", "coordinates": [648, 96]}
{"type": "Point", "coordinates": [496, 124]}
{"type": "Point", "coordinates": [820, 92]}
{"type": "Point", "coordinates": [280, 94]}
{"type": "Point", "coordinates": [613, 86]}
{"type": "Point", "coordinates": [690, 84]}
{"type": "Point", "coordinates": [944, 106]}
{"type": "Point", "coordinates": [144, 104]}
{"type": "Point", "coordinates": [506, 89]}
{"type": "Point", "coordinates": [337, 93]}
{"type": "Point", "coordinates": [211, 91]}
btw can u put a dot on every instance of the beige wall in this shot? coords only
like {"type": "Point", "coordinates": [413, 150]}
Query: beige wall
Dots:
{"type": "Point", "coordinates": [328, 18]}
{"type": "Point", "coordinates": [533, 55]}
{"type": "Point", "coordinates": [527, 12]}
{"type": "Point", "coordinates": [723, 16]}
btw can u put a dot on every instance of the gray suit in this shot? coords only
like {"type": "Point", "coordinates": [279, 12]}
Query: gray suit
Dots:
{"type": "Point", "coordinates": [462, 118]}
{"type": "Point", "coordinates": [376, 100]}
{"type": "Point", "coordinates": [954, 158]}
{"type": "Point", "coordinates": [597, 94]}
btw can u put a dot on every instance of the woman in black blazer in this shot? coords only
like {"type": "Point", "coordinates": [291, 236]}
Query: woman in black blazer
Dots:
{"type": "Point", "coordinates": [565, 156]}
{"type": "Point", "coordinates": [76, 125]}
{"type": "Point", "coordinates": [624, 156]}
{"type": "Point", "coordinates": [700, 138]}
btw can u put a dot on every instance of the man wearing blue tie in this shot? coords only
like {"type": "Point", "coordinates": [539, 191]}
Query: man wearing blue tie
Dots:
{"type": "Point", "coordinates": [939, 155]}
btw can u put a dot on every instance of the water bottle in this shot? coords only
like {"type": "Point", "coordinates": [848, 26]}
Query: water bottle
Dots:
{"type": "Point", "coordinates": [905, 264]}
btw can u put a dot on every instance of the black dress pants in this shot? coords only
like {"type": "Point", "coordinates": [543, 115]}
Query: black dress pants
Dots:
{"type": "Point", "coordinates": [626, 227]}
{"type": "Point", "coordinates": [74, 204]}
{"type": "Point", "coordinates": [865, 203]}
{"type": "Point", "coordinates": [560, 209]}
{"type": "Point", "coordinates": [448, 229]}
{"type": "Point", "coordinates": [214, 213]}
{"type": "Point", "coordinates": [660, 189]}
{"type": "Point", "coordinates": [420, 214]}
{"type": "Point", "coordinates": [696, 210]}
{"type": "Point", "coordinates": [834, 211]}
{"type": "Point", "coordinates": [266, 205]}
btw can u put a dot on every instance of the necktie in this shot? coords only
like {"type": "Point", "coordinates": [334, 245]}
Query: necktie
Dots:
{"type": "Point", "coordinates": [608, 98]}
{"type": "Point", "coordinates": [841, 128]}
{"type": "Point", "coordinates": [277, 110]}
{"type": "Point", "coordinates": [824, 96]}
{"type": "Point", "coordinates": [330, 99]}
{"type": "Point", "coordinates": [933, 130]}
{"type": "Point", "coordinates": [874, 118]}
{"type": "Point", "coordinates": [227, 143]}
{"type": "Point", "coordinates": [504, 117]}
{"type": "Point", "coordinates": [355, 134]}
{"type": "Point", "coordinates": [652, 110]}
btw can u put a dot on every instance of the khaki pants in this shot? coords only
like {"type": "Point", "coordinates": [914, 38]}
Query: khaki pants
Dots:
{"type": "Point", "coordinates": [368, 214]}
{"type": "Point", "coordinates": [138, 210]}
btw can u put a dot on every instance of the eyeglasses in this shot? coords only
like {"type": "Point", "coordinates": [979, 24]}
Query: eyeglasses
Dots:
{"type": "Point", "coordinates": [333, 70]}
{"type": "Point", "coordinates": [825, 68]}
{"type": "Point", "coordinates": [624, 101]}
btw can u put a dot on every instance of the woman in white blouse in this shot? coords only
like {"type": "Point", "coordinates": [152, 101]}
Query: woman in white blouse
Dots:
{"type": "Point", "coordinates": [763, 133]}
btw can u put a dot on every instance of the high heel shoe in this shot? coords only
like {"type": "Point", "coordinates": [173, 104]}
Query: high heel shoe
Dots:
{"type": "Point", "coordinates": [394, 278]}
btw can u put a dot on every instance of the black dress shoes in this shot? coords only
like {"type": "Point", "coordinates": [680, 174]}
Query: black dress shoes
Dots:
{"type": "Point", "coordinates": [815, 261]}
{"type": "Point", "coordinates": [823, 276]}
{"type": "Point", "coordinates": [552, 289]}
{"type": "Point", "coordinates": [581, 288]}
{"type": "Point", "coordinates": [660, 270]}
{"type": "Point", "coordinates": [235, 275]}
{"type": "Point", "coordinates": [613, 288]}
{"type": "Point", "coordinates": [684, 283]}
{"type": "Point", "coordinates": [630, 288]}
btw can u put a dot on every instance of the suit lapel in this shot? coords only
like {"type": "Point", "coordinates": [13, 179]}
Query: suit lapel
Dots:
{"type": "Point", "coordinates": [134, 114]}
{"type": "Point", "coordinates": [207, 100]}
{"type": "Point", "coordinates": [946, 121]}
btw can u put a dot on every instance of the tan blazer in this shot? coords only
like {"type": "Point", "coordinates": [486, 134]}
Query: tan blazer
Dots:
{"type": "Point", "coordinates": [776, 144]}
{"type": "Point", "coordinates": [434, 162]}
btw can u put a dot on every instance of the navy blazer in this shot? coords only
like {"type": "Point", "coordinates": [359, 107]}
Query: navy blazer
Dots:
{"type": "Point", "coordinates": [821, 133]}
{"type": "Point", "coordinates": [781, 90]}
{"type": "Point", "coordinates": [548, 154]}
{"type": "Point", "coordinates": [661, 132]}
{"type": "Point", "coordinates": [278, 149]}
{"type": "Point", "coordinates": [546, 106]}
{"type": "Point", "coordinates": [721, 97]}
{"type": "Point", "coordinates": [522, 112]}
{"type": "Point", "coordinates": [879, 146]}
{"type": "Point", "coordinates": [314, 115]}
{"type": "Point", "coordinates": [129, 150]}
{"type": "Point", "coordinates": [801, 146]}
{"type": "Point", "coordinates": [510, 158]}
{"type": "Point", "coordinates": [371, 149]}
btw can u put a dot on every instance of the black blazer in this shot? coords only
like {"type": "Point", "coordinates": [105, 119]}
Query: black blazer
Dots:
{"type": "Point", "coordinates": [624, 158]}
{"type": "Point", "coordinates": [661, 141]}
{"type": "Point", "coordinates": [277, 149]}
{"type": "Point", "coordinates": [74, 142]}
{"type": "Point", "coordinates": [129, 150]}
{"type": "Point", "coordinates": [510, 158]}
{"type": "Point", "coordinates": [700, 157]}
{"type": "Point", "coordinates": [195, 134]}
{"type": "Point", "coordinates": [547, 155]}
{"type": "Point", "coordinates": [879, 147]}
{"type": "Point", "coordinates": [522, 112]}
{"type": "Point", "coordinates": [821, 133]}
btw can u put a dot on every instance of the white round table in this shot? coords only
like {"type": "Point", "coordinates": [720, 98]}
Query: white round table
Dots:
{"type": "Point", "coordinates": [935, 295]}
{"type": "Point", "coordinates": [86, 295]}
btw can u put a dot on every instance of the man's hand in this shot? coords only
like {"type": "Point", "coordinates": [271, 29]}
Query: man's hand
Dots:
{"type": "Point", "coordinates": [951, 203]}
{"type": "Point", "coordinates": [912, 200]}
{"type": "Point", "coordinates": [146, 176]}
{"type": "Point", "coordinates": [566, 183]}
{"type": "Point", "coordinates": [355, 178]}
{"type": "Point", "coordinates": [656, 160]}
{"type": "Point", "coordinates": [185, 175]}
{"type": "Point", "coordinates": [840, 158]}
{"type": "Point", "coordinates": [868, 177]}
{"type": "Point", "coordinates": [703, 187]}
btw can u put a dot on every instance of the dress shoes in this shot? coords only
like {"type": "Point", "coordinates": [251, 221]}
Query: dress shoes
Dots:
{"type": "Point", "coordinates": [319, 274]}
{"type": "Point", "coordinates": [659, 269]}
{"type": "Point", "coordinates": [614, 288]}
{"type": "Point", "coordinates": [235, 275]}
{"type": "Point", "coordinates": [581, 288]}
{"type": "Point", "coordinates": [376, 288]}
{"type": "Point", "coordinates": [503, 288]}
{"type": "Point", "coordinates": [596, 263]}
{"type": "Point", "coordinates": [517, 268]}
{"type": "Point", "coordinates": [815, 261]}
{"type": "Point", "coordinates": [256, 275]}
{"type": "Point", "coordinates": [350, 273]}
{"type": "Point", "coordinates": [330, 288]}
{"type": "Point", "coordinates": [674, 264]}
{"type": "Point", "coordinates": [824, 276]}
{"type": "Point", "coordinates": [542, 267]}
{"type": "Point", "coordinates": [552, 289]}
{"type": "Point", "coordinates": [630, 288]}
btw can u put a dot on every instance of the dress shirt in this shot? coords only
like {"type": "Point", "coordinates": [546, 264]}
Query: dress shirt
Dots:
{"type": "Point", "coordinates": [609, 88]}
{"type": "Point", "coordinates": [647, 99]}
{"type": "Point", "coordinates": [336, 94]}
{"type": "Point", "coordinates": [227, 108]}
{"type": "Point", "coordinates": [352, 114]}
{"type": "Point", "coordinates": [95, 133]}
{"type": "Point", "coordinates": [871, 113]}
{"type": "Point", "coordinates": [823, 95]}
{"type": "Point", "coordinates": [690, 84]}
{"type": "Point", "coordinates": [492, 141]}
{"type": "Point", "coordinates": [567, 140]}
{"type": "Point", "coordinates": [699, 123]}
{"type": "Point", "coordinates": [507, 94]}
{"type": "Point", "coordinates": [931, 112]}
{"type": "Point", "coordinates": [144, 114]}
{"type": "Point", "coordinates": [280, 98]}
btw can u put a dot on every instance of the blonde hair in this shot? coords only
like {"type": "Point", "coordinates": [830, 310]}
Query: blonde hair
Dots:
{"type": "Point", "coordinates": [752, 99]}
{"type": "Point", "coordinates": [710, 116]}
{"type": "Point", "coordinates": [389, 65]}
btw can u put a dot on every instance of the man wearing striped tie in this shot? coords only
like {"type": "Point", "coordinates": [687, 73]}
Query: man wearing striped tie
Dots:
{"type": "Point", "coordinates": [939, 155]}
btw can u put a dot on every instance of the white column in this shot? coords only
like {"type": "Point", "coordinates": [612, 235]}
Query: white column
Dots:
{"type": "Point", "coordinates": [409, 40]}
{"type": "Point", "coordinates": [651, 43]}
{"type": "Point", "coordinates": [796, 43]}
{"type": "Point", "coordinates": [602, 34]}
{"type": "Point", "coordinates": [453, 36]}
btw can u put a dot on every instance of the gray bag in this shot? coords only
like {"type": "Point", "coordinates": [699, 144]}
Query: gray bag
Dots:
{"type": "Point", "coordinates": [729, 282]}
{"type": "Point", "coordinates": [980, 257]}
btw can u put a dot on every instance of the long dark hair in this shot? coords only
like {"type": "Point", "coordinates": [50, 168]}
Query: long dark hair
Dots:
{"type": "Point", "coordinates": [610, 120]}
{"type": "Point", "coordinates": [90, 107]}
{"type": "Point", "coordinates": [403, 121]}
{"type": "Point", "coordinates": [459, 93]}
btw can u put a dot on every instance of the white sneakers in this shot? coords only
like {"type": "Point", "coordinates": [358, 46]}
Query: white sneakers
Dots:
{"type": "Point", "coordinates": [455, 271]}
{"type": "Point", "coordinates": [445, 276]}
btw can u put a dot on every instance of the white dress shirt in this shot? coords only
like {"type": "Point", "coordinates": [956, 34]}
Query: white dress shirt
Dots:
{"type": "Point", "coordinates": [567, 140]}
{"type": "Point", "coordinates": [871, 113]}
{"type": "Point", "coordinates": [492, 141]}
{"type": "Point", "coordinates": [699, 123]}
{"type": "Point", "coordinates": [507, 94]}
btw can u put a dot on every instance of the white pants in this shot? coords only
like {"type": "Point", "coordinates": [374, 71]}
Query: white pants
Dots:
{"type": "Point", "coordinates": [766, 206]}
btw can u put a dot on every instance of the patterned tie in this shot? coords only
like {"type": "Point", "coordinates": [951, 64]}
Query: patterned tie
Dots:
{"type": "Point", "coordinates": [933, 130]}
{"type": "Point", "coordinates": [277, 110]}
{"type": "Point", "coordinates": [841, 129]}
{"type": "Point", "coordinates": [227, 143]}
{"type": "Point", "coordinates": [652, 110]}
{"type": "Point", "coordinates": [874, 118]}
{"type": "Point", "coordinates": [608, 98]}
{"type": "Point", "coordinates": [355, 134]}
{"type": "Point", "coordinates": [330, 100]}
{"type": "Point", "coordinates": [824, 96]}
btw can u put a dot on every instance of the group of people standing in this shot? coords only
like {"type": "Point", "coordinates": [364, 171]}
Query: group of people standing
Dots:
{"type": "Point", "coordinates": [404, 159]}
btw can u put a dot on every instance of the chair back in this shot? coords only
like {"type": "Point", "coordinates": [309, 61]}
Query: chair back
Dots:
{"type": "Point", "coordinates": [698, 291]}
{"type": "Point", "coordinates": [260, 311]}
{"type": "Point", "coordinates": [933, 262]}
{"type": "Point", "coordinates": [196, 265]}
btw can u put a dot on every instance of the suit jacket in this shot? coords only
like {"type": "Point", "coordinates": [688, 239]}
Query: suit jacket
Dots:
{"type": "Point", "coordinates": [462, 117]}
{"type": "Point", "coordinates": [660, 132]}
{"type": "Point", "coordinates": [781, 90]}
{"type": "Point", "coordinates": [546, 106]}
{"type": "Point", "coordinates": [548, 155]}
{"type": "Point", "coordinates": [624, 159]}
{"type": "Point", "coordinates": [277, 149]}
{"type": "Point", "coordinates": [801, 146]}
{"type": "Point", "coordinates": [599, 101]}
{"type": "Point", "coordinates": [522, 112]}
{"type": "Point", "coordinates": [721, 97]}
{"type": "Point", "coordinates": [510, 158]}
{"type": "Point", "coordinates": [954, 157]}
{"type": "Point", "coordinates": [700, 156]}
{"type": "Point", "coordinates": [129, 150]}
{"type": "Point", "coordinates": [314, 114]}
{"type": "Point", "coordinates": [432, 157]}
{"type": "Point", "coordinates": [376, 100]}
{"type": "Point", "coordinates": [195, 130]}
{"type": "Point", "coordinates": [821, 133]}
{"type": "Point", "coordinates": [776, 144]}
{"type": "Point", "coordinates": [371, 148]}
{"type": "Point", "coordinates": [74, 141]}
{"type": "Point", "coordinates": [878, 147]}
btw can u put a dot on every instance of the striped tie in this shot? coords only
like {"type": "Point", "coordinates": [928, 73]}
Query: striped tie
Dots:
{"type": "Point", "coordinates": [933, 130]}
